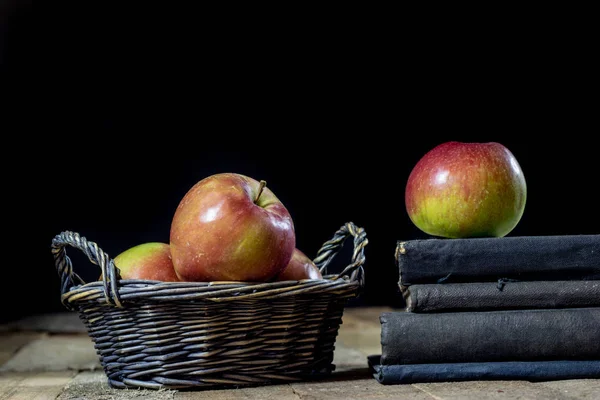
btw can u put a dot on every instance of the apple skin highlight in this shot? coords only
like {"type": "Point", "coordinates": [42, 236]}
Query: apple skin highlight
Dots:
{"type": "Point", "coordinates": [228, 227]}
{"type": "Point", "coordinates": [459, 190]}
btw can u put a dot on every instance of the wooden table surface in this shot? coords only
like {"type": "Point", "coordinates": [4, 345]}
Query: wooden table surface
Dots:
{"type": "Point", "coordinates": [51, 357]}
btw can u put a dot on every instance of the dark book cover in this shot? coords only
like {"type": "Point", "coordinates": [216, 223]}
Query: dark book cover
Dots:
{"type": "Point", "coordinates": [532, 371]}
{"type": "Point", "coordinates": [524, 258]}
{"type": "Point", "coordinates": [488, 336]}
{"type": "Point", "coordinates": [484, 296]}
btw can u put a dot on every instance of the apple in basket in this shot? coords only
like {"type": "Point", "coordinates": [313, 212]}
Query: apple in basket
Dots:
{"type": "Point", "coordinates": [231, 227]}
{"type": "Point", "coordinates": [460, 189]}
{"type": "Point", "coordinates": [150, 261]}
{"type": "Point", "coordinates": [300, 267]}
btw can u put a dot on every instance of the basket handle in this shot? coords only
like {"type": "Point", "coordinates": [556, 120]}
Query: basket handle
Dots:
{"type": "Point", "coordinates": [64, 266]}
{"type": "Point", "coordinates": [330, 249]}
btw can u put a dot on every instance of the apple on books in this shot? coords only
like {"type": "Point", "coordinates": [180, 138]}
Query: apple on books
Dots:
{"type": "Point", "coordinates": [462, 189]}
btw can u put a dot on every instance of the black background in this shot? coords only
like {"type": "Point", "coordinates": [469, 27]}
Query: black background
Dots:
{"type": "Point", "coordinates": [111, 114]}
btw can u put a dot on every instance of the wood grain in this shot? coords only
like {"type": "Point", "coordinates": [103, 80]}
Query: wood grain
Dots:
{"type": "Point", "coordinates": [34, 385]}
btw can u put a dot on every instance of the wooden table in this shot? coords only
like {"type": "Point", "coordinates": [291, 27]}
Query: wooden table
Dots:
{"type": "Point", "coordinates": [51, 357]}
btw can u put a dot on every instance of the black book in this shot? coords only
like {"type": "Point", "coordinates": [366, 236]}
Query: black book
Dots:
{"type": "Point", "coordinates": [490, 336]}
{"type": "Point", "coordinates": [532, 371]}
{"type": "Point", "coordinates": [522, 258]}
{"type": "Point", "coordinates": [484, 296]}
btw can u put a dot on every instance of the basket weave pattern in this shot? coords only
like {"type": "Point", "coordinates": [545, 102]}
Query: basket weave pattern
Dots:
{"type": "Point", "coordinates": [155, 335]}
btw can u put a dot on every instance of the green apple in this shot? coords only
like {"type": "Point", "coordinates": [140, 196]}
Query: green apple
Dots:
{"type": "Point", "coordinates": [460, 189]}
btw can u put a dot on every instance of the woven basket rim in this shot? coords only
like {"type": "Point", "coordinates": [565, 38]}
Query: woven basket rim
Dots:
{"type": "Point", "coordinates": [111, 287]}
{"type": "Point", "coordinates": [131, 290]}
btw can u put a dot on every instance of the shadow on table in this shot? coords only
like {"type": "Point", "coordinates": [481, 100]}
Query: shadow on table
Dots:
{"type": "Point", "coordinates": [349, 375]}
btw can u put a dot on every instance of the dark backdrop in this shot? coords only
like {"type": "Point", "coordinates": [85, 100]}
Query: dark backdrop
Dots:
{"type": "Point", "coordinates": [112, 114]}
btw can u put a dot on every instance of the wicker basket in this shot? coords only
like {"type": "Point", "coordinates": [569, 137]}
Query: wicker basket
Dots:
{"type": "Point", "coordinates": [182, 335]}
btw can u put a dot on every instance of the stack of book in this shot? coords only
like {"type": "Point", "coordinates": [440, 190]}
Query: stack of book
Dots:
{"type": "Point", "coordinates": [522, 307]}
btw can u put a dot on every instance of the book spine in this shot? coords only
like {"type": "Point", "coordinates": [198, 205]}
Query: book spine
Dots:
{"type": "Point", "coordinates": [488, 336]}
{"type": "Point", "coordinates": [484, 296]}
{"type": "Point", "coordinates": [524, 258]}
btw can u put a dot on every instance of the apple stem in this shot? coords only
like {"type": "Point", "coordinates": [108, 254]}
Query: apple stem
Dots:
{"type": "Point", "coordinates": [260, 190]}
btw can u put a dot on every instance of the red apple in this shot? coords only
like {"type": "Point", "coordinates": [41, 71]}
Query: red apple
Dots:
{"type": "Point", "coordinates": [459, 190]}
{"type": "Point", "coordinates": [150, 260]}
{"type": "Point", "coordinates": [230, 227]}
{"type": "Point", "coordinates": [300, 267]}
